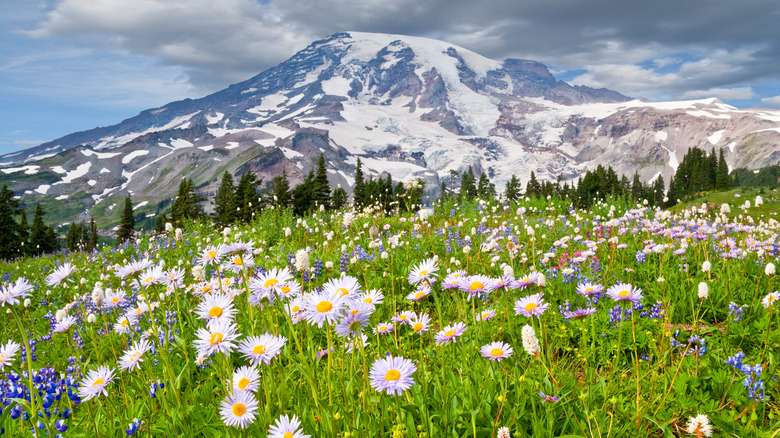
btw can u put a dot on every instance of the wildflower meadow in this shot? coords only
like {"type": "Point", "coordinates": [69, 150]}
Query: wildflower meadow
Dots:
{"type": "Point", "coordinates": [482, 319]}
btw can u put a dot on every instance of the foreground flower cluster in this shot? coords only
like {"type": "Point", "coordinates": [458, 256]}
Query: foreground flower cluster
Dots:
{"type": "Point", "coordinates": [460, 323]}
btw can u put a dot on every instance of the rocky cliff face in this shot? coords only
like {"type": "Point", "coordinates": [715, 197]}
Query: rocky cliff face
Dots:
{"type": "Point", "coordinates": [414, 107]}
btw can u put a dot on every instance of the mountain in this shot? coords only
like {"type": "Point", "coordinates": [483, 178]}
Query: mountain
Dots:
{"type": "Point", "coordinates": [414, 107]}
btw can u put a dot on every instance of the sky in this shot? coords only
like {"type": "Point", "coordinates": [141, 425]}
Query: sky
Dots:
{"type": "Point", "coordinates": [73, 65]}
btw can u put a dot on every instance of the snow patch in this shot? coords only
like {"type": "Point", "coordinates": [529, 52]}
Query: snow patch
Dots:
{"type": "Point", "coordinates": [716, 136]}
{"type": "Point", "coordinates": [659, 136]}
{"type": "Point", "coordinates": [206, 148]}
{"type": "Point", "coordinates": [100, 155]}
{"type": "Point", "coordinates": [129, 157]}
{"type": "Point", "coordinates": [214, 119]}
{"type": "Point", "coordinates": [180, 143]}
{"type": "Point", "coordinates": [43, 188]}
{"type": "Point", "coordinates": [337, 86]}
{"type": "Point", "coordinates": [61, 197]}
{"type": "Point", "coordinates": [291, 154]}
{"type": "Point", "coordinates": [92, 182]}
{"type": "Point", "coordinates": [139, 205]}
{"type": "Point", "coordinates": [104, 170]}
{"type": "Point", "coordinates": [28, 170]}
{"type": "Point", "coordinates": [232, 145]}
{"type": "Point", "coordinates": [78, 172]}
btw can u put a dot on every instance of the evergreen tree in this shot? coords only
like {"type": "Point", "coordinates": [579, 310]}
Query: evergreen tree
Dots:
{"type": "Point", "coordinates": [24, 233]}
{"type": "Point", "coordinates": [533, 188]}
{"type": "Point", "coordinates": [92, 239]}
{"type": "Point", "coordinates": [339, 197]}
{"type": "Point", "coordinates": [187, 203]}
{"type": "Point", "coordinates": [636, 188]}
{"type": "Point", "coordinates": [468, 186]}
{"type": "Point", "coordinates": [10, 241]}
{"type": "Point", "coordinates": [279, 194]}
{"type": "Point", "coordinates": [248, 202]}
{"type": "Point", "coordinates": [485, 189]}
{"type": "Point", "coordinates": [225, 202]}
{"type": "Point", "coordinates": [302, 196]}
{"type": "Point", "coordinates": [443, 195]}
{"type": "Point", "coordinates": [42, 238]}
{"type": "Point", "coordinates": [512, 189]}
{"type": "Point", "coordinates": [658, 191]}
{"type": "Point", "coordinates": [126, 228]}
{"type": "Point", "coordinates": [320, 191]}
{"type": "Point", "coordinates": [73, 238]}
{"type": "Point", "coordinates": [358, 194]}
{"type": "Point", "coordinates": [722, 181]}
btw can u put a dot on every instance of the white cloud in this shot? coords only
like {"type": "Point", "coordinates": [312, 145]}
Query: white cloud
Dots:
{"type": "Point", "coordinates": [772, 102]}
{"type": "Point", "coordinates": [736, 93]}
{"type": "Point", "coordinates": [216, 41]}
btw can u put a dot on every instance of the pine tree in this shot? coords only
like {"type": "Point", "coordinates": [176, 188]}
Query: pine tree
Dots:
{"type": "Point", "coordinates": [533, 188]}
{"type": "Point", "coordinates": [443, 195]}
{"type": "Point", "coordinates": [248, 201]}
{"type": "Point", "coordinates": [42, 238]}
{"type": "Point", "coordinates": [358, 193]}
{"type": "Point", "coordinates": [280, 195]}
{"type": "Point", "coordinates": [339, 197]}
{"type": "Point", "coordinates": [92, 239]}
{"type": "Point", "coordinates": [186, 206]}
{"type": "Point", "coordinates": [636, 188]}
{"type": "Point", "coordinates": [468, 186]}
{"type": "Point", "coordinates": [321, 188]}
{"type": "Point", "coordinates": [225, 202]}
{"type": "Point", "coordinates": [73, 237]}
{"type": "Point", "coordinates": [722, 181]}
{"type": "Point", "coordinates": [24, 233]}
{"type": "Point", "coordinates": [484, 187]}
{"type": "Point", "coordinates": [10, 241]}
{"type": "Point", "coordinates": [126, 228]}
{"type": "Point", "coordinates": [658, 191]}
{"type": "Point", "coordinates": [302, 196]}
{"type": "Point", "coordinates": [512, 189]}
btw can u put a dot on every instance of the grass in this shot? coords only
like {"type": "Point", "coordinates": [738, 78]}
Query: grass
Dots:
{"type": "Point", "coordinates": [637, 369]}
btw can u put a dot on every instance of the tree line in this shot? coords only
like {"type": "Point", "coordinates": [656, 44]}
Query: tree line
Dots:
{"type": "Point", "coordinates": [698, 172]}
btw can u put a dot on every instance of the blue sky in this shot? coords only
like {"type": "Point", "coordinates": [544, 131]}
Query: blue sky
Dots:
{"type": "Point", "coordinates": [72, 65]}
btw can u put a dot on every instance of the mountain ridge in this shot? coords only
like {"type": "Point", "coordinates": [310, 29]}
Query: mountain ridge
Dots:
{"type": "Point", "coordinates": [411, 106]}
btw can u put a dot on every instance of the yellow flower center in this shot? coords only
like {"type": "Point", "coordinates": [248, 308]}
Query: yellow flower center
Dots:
{"type": "Point", "coordinates": [285, 290]}
{"type": "Point", "coordinates": [423, 273]}
{"type": "Point", "coordinates": [98, 382]}
{"type": "Point", "coordinates": [343, 291]}
{"type": "Point", "coordinates": [243, 383]}
{"type": "Point", "coordinates": [124, 322]}
{"type": "Point", "coordinates": [368, 300]}
{"type": "Point", "coordinates": [450, 333]}
{"type": "Point", "coordinates": [239, 409]}
{"type": "Point", "coordinates": [216, 338]}
{"type": "Point", "coordinates": [296, 308]}
{"type": "Point", "coordinates": [623, 293]}
{"type": "Point", "coordinates": [496, 352]}
{"type": "Point", "coordinates": [530, 307]}
{"type": "Point", "coordinates": [288, 435]}
{"type": "Point", "coordinates": [485, 315]}
{"type": "Point", "coordinates": [419, 295]}
{"type": "Point", "coordinates": [403, 317]}
{"type": "Point", "coordinates": [260, 349]}
{"type": "Point", "coordinates": [238, 261]}
{"type": "Point", "coordinates": [213, 254]}
{"type": "Point", "coordinates": [476, 286]}
{"type": "Point", "coordinates": [418, 326]}
{"type": "Point", "coordinates": [271, 282]}
{"type": "Point", "coordinates": [392, 375]}
{"type": "Point", "coordinates": [324, 306]}
{"type": "Point", "coordinates": [382, 328]}
{"type": "Point", "coordinates": [115, 300]}
{"type": "Point", "coordinates": [215, 312]}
